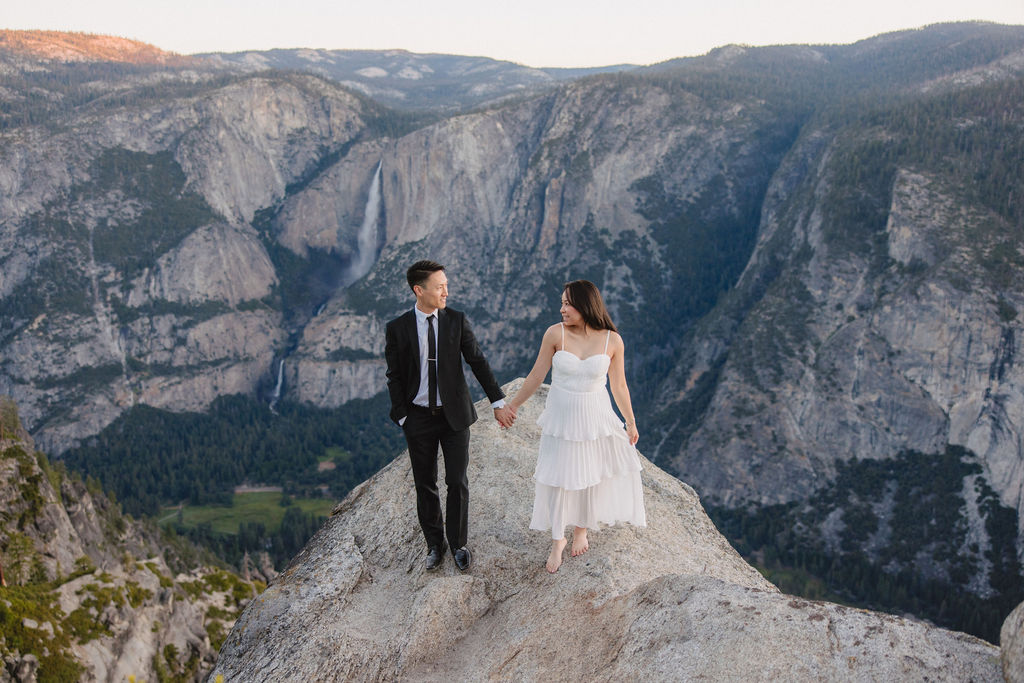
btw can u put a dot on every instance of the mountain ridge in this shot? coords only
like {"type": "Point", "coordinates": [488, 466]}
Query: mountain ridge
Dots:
{"type": "Point", "coordinates": [410, 80]}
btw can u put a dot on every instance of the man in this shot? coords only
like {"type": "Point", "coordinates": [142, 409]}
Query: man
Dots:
{"type": "Point", "coordinates": [430, 400]}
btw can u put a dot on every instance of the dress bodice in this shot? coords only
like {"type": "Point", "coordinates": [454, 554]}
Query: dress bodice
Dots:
{"type": "Point", "coordinates": [580, 375]}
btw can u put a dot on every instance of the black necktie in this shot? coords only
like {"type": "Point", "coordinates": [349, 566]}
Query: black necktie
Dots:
{"type": "Point", "coordinates": [431, 362]}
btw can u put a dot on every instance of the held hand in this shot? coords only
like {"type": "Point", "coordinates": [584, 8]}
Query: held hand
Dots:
{"type": "Point", "coordinates": [505, 417]}
{"type": "Point", "coordinates": [633, 434]}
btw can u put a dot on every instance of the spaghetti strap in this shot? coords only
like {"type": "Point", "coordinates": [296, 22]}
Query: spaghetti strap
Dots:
{"type": "Point", "coordinates": [562, 325]}
{"type": "Point", "coordinates": [609, 336]}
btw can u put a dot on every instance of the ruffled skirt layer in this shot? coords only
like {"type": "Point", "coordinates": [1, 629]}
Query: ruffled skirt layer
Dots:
{"type": "Point", "coordinates": [614, 500]}
{"type": "Point", "coordinates": [587, 472]}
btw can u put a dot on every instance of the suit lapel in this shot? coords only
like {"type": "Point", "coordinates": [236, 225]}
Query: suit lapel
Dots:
{"type": "Point", "coordinates": [444, 332]}
{"type": "Point", "coordinates": [414, 341]}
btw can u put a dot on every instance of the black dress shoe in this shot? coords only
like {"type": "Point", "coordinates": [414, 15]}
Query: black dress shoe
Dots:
{"type": "Point", "coordinates": [435, 556]}
{"type": "Point", "coordinates": [463, 558]}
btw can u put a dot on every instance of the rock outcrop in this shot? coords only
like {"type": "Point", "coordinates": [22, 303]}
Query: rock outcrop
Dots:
{"type": "Point", "coordinates": [669, 601]}
{"type": "Point", "coordinates": [1011, 643]}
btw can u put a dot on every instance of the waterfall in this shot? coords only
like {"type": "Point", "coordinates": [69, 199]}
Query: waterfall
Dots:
{"type": "Point", "coordinates": [366, 241]}
{"type": "Point", "coordinates": [277, 389]}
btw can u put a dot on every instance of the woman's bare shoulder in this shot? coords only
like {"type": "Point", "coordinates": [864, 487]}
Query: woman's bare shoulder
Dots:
{"type": "Point", "coordinates": [552, 337]}
{"type": "Point", "coordinates": [616, 342]}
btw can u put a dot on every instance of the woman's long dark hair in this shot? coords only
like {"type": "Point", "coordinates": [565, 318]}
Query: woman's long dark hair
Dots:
{"type": "Point", "coordinates": [584, 296]}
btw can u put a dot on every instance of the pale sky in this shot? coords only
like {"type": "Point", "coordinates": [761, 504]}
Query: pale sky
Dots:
{"type": "Point", "coordinates": [532, 32]}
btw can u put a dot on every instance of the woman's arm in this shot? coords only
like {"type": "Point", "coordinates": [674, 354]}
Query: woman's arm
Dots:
{"type": "Point", "coordinates": [620, 391]}
{"type": "Point", "coordinates": [548, 346]}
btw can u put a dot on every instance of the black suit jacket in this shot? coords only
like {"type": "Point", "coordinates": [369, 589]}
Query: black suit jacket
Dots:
{"type": "Point", "coordinates": [455, 341]}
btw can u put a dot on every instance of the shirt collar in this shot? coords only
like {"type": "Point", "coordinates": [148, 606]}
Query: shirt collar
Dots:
{"type": "Point", "coordinates": [421, 317]}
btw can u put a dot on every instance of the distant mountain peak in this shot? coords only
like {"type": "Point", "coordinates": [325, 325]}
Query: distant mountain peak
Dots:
{"type": "Point", "coordinates": [85, 47]}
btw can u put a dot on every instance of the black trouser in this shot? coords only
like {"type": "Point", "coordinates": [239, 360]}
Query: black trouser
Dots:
{"type": "Point", "coordinates": [424, 432]}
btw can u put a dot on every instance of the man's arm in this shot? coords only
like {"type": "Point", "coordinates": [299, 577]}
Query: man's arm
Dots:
{"type": "Point", "coordinates": [478, 363]}
{"type": "Point", "coordinates": [395, 387]}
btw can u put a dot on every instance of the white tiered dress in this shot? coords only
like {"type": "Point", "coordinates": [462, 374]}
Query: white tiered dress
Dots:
{"type": "Point", "coordinates": [587, 471]}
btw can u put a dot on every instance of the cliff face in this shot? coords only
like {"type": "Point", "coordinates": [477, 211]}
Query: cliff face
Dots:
{"type": "Point", "coordinates": [131, 271]}
{"type": "Point", "coordinates": [915, 354]}
{"type": "Point", "coordinates": [515, 201]}
{"type": "Point", "coordinates": [867, 338]}
{"type": "Point", "coordinates": [672, 600]}
{"type": "Point", "coordinates": [90, 592]}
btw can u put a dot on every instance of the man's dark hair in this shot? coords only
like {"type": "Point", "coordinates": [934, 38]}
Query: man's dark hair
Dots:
{"type": "Point", "coordinates": [420, 271]}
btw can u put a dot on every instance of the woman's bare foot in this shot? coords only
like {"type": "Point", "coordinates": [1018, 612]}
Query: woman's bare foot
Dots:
{"type": "Point", "coordinates": [555, 558]}
{"type": "Point", "coordinates": [580, 544]}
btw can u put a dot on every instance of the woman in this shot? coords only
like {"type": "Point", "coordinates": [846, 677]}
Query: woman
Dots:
{"type": "Point", "coordinates": [588, 470]}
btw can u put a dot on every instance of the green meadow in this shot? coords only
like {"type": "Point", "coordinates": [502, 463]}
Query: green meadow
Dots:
{"type": "Point", "coordinates": [263, 506]}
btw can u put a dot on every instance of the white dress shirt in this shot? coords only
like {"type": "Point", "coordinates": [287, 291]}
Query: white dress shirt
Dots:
{"type": "Point", "coordinates": [422, 398]}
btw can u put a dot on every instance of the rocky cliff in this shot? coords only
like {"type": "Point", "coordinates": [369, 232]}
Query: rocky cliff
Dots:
{"type": "Point", "coordinates": [669, 601]}
{"type": "Point", "coordinates": [869, 250]}
{"type": "Point", "coordinates": [509, 198]}
{"type": "Point", "coordinates": [877, 317]}
{"type": "Point", "coordinates": [130, 270]}
{"type": "Point", "coordinates": [89, 594]}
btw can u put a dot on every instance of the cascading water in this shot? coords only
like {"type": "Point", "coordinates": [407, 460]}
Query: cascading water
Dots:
{"type": "Point", "coordinates": [366, 240]}
{"type": "Point", "coordinates": [362, 260]}
{"type": "Point", "coordinates": [277, 389]}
